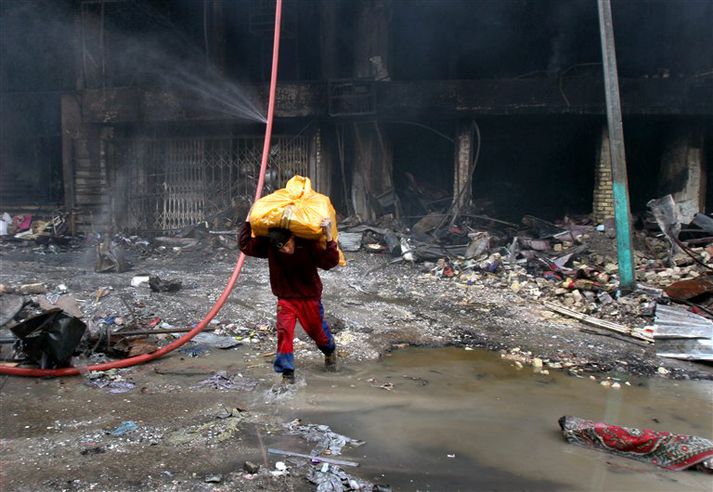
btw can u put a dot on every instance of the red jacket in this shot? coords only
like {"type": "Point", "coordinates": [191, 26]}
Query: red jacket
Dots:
{"type": "Point", "coordinates": [292, 276]}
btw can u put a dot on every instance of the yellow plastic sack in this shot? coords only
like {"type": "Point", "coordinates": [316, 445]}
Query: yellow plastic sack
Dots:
{"type": "Point", "coordinates": [298, 208]}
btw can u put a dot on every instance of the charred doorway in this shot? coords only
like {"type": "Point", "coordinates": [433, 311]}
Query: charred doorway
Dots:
{"type": "Point", "coordinates": [165, 184]}
{"type": "Point", "coordinates": [422, 166]}
{"type": "Point", "coordinates": [542, 166]}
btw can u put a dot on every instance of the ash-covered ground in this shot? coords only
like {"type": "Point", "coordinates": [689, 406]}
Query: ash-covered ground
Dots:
{"type": "Point", "coordinates": [195, 426]}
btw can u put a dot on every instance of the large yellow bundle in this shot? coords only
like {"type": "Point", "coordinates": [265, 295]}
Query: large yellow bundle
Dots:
{"type": "Point", "coordinates": [296, 207]}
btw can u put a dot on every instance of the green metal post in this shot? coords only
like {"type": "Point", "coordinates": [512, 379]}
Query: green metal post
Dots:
{"type": "Point", "coordinates": [620, 188]}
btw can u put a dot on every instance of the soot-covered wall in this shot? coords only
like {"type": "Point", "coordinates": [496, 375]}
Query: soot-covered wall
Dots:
{"type": "Point", "coordinates": [36, 65]}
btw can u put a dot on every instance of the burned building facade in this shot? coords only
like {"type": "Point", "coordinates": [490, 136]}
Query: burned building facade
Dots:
{"type": "Point", "coordinates": [146, 115]}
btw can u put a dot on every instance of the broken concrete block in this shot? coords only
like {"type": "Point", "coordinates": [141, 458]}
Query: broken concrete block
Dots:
{"type": "Point", "coordinates": [139, 280]}
{"type": "Point", "coordinates": [589, 295]}
{"type": "Point", "coordinates": [604, 298]}
{"type": "Point", "coordinates": [251, 467]}
{"type": "Point", "coordinates": [602, 278]}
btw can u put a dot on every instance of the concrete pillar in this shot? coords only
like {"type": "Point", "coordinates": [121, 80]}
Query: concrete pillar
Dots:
{"type": "Point", "coordinates": [373, 157]}
{"type": "Point", "coordinates": [71, 118]}
{"type": "Point", "coordinates": [463, 162]}
{"type": "Point", "coordinates": [603, 204]}
{"type": "Point", "coordinates": [320, 165]}
{"type": "Point", "coordinates": [372, 170]}
{"type": "Point", "coordinates": [683, 172]}
{"type": "Point", "coordinates": [84, 169]}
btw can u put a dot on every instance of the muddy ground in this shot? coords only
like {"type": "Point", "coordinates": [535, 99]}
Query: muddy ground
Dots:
{"type": "Point", "coordinates": [55, 432]}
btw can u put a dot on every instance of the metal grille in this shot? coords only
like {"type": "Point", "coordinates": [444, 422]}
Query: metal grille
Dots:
{"type": "Point", "coordinates": [172, 183]}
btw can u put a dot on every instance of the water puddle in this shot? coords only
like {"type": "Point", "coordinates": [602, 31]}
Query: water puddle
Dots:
{"type": "Point", "coordinates": [450, 419]}
{"type": "Point", "coordinates": [432, 419]}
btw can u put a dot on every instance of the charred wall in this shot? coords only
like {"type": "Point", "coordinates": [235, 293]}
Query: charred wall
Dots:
{"type": "Point", "coordinates": [36, 66]}
{"type": "Point", "coordinates": [527, 71]}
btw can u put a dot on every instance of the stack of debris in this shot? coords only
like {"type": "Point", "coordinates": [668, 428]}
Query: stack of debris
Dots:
{"type": "Point", "coordinates": [28, 227]}
{"type": "Point", "coordinates": [569, 266]}
{"type": "Point", "coordinates": [324, 471]}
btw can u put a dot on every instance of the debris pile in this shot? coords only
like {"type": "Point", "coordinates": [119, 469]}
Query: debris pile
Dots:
{"type": "Point", "coordinates": [324, 471]}
{"type": "Point", "coordinates": [569, 267]}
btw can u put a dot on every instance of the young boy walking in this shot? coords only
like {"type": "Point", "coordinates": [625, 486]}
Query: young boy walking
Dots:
{"type": "Point", "coordinates": [293, 264]}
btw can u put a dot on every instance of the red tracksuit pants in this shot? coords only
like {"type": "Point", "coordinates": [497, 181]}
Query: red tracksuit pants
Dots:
{"type": "Point", "coordinates": [310, 314]}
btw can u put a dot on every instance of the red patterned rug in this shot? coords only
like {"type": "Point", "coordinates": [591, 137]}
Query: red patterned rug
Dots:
{"type": "Point", "coordinates": [664, 449]}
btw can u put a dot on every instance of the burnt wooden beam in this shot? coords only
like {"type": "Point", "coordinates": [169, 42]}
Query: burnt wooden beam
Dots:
{"type": "Point", "coordinates": [397, 99]}
{"type": "Point", "coordinates": [130, 105]}
{"type": "Point", "coordinates": [583, 95]}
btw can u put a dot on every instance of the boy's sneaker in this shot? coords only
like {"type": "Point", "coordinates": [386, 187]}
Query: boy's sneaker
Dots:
{"type": "Point", "coordinates": [288, 377]}
{"type": "Point", "coordinates": [330, 361]}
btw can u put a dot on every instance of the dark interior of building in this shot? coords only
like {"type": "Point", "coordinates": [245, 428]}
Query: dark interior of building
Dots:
{"type": "Point", "coordinates": [526, 72]}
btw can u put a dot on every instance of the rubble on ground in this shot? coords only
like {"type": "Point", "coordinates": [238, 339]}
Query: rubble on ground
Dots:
{"type": "Point", "coordinates": [491, 272]}
{"type": "Point", "coordinates": [569, 267]}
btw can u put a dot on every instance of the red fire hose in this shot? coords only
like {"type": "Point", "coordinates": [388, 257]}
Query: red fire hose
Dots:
{"type": "Point", "coordinates": [140, 359]}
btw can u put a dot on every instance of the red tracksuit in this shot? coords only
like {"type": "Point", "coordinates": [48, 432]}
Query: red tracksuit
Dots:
{"type": "Point", "coordinates": [296, 283]}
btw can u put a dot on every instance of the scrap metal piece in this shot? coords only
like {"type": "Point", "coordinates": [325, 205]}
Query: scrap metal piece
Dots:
{"type": "Point", "coordinates": [350, 241]}
{"type": "Point", "coordinates": [321, 459]}
{"type": "Point", "coordinates": [704, 222]}
{"type": "Point", "coordinates": [693, 350]}
{"type": "Point", "coordinates": [690, 288]}
{"type": "Point", "coordinates": [681, 334]}
{"type": "Point", "coordinates": [676, 322]}
{"type": "Point", "coordinates": [50, 338]}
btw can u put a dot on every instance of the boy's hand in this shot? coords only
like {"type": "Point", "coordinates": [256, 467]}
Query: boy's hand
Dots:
{"type": "Point", "coordinates": [327, 228]}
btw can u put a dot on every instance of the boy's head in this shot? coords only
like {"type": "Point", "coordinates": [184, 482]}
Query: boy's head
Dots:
{"type": "Point", "coordinates": [282, 239]}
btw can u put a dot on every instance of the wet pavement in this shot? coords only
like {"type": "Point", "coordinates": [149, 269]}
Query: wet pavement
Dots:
{"type": "Point", "coordinates": [432, 419]}
{"type": "Point", "coordinates": [467, 420]}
